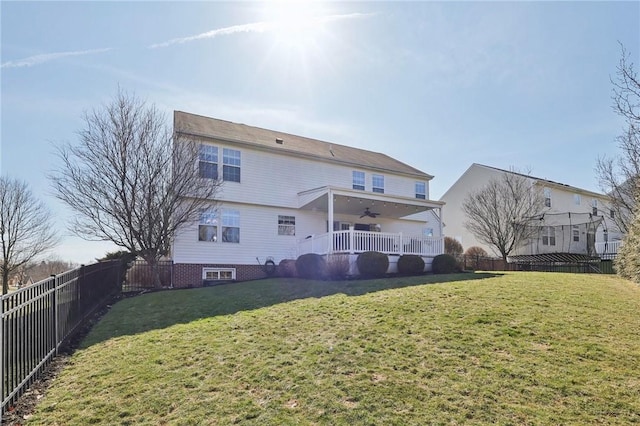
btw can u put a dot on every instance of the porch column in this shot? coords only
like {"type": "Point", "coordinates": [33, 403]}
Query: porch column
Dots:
{"type": "Point", "coordinates": [330, 219]}
{"type": "Point", "coordinates": [441, 229]}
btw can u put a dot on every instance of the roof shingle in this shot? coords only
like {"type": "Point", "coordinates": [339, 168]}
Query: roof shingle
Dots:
{"type": "Point", "coordinates": [197, 125]}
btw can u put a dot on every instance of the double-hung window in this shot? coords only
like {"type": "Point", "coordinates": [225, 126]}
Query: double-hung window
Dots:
{"type": "Point", "coordinates": [286, 225]}
{"type": "Point", "coordinates": [358, 180]}
{"type": "Point", "coordinates": [208, 227]}
{"type": "Point", "coordinates": [208, 162]}
{"type": "Point", "coordinates": [576, 233]}
{"type": "Point", "coordinates": [594, 207]}
{"type": "Point", "coordinates": [547, 197]}
{"type": "Point", "coordinates": [230, 226]}
{"type": "Point", "coordinates": [548, 236]}
{"type": "Point", "coordinates": [377, 183]}
{"type": "Point", "coordinates": [421, 190]}
{"type": "Point", "coordinates": [230, 165]}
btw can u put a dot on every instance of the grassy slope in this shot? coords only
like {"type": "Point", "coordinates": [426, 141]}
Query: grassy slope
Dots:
{"type": "Point", "coordinates": [519, 348]}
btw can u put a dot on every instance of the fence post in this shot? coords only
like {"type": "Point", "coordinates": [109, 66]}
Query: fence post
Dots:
{"type": "Point", "coordinates": [56, 312]}
{"type": "Point", "coordinates": [1, 357]}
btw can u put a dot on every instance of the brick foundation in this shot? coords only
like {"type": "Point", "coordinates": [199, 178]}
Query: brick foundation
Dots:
{"type": "Point", "coordinates": [187, 275]}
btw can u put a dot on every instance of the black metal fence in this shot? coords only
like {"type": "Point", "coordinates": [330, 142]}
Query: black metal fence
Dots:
{"type": "Point", "coordinates": [39, 319]}
{"type": "Point", "coordinates": [483, 263]}
{"type": "Point", "coordinates": [141, 276]}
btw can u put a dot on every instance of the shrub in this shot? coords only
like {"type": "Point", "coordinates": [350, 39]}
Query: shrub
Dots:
{"type": "Point", "coordinates": [444, 264]}
{"type": "Point", "coordinates": [410, 264]}
{"type": "Point", "coordinates": [372, 264]}
{"type": "Point", "coordinates": [452, 247]}
{"type": "Point", "coordinates": [628, 261]}
{"type": "Point", "coordinates": [338, 266]}
{"type": "Point", "coordinates": [140, 275]}
{"type": "Point", "coordinates": [287, 268]}
{"type": "Point", "coordinates": [311, 266]}
{"type": "Point", "coordinates": [475, 251]}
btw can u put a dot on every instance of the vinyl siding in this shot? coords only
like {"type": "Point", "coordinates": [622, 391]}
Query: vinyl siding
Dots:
{"type": "Point", "coordinates": [562, 201]}
{"type": "Point", "coordinates": [259, 235]}
{"type": "Point", "coordinates": [275, 180]}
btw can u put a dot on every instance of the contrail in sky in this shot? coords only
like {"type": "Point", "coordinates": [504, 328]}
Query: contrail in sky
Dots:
{"type": "Point", "coordinates": [39, 59]}
{"type": "Point", "coordinates": [256, 27]}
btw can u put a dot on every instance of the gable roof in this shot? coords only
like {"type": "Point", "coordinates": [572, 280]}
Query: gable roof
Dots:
{"type": "Point", "coordinates": [546, 181]}
{"type": "Point", "coordinates": [274, 141]}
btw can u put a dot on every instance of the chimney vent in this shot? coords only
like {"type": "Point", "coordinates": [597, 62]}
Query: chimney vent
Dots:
{"type": "Point", "coordinates": [279, 141]}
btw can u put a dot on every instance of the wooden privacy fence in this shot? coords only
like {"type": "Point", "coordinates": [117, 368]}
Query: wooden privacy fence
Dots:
{"type": "Point", "coordinates": [39, 319]}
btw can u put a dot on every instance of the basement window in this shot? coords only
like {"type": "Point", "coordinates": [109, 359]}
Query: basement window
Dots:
{"type": "Point", "coordinates": [218, 274]}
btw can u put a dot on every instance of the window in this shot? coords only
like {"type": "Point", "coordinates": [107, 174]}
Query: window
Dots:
{"type": "Point", "coordinates": [421, 190]}
{"type": "Point", "coordinates": [208, 164]}
{"type": "Point", "coordinates": [230, 226]}
{"type": "Point", "coordinates": [218, 274]}
{"type": "Point", "coordinates": [576, 233]}
{"type": "Point", "coordinates": [208, 228]}
{"type": "Point", "coordinates": [286, 225]}
{"type": "Point", "coordinates": [230, 165]}
{"type": "Point", "coordinates": [358, 180]}
{"type": "Point", "coordinates": [612, 214]}
{"type": "Point", "coordinates": [427, 232]}
{"type": "Point", "coordinates": [377, 184]}
{"type": "Point", "coordinates": [547, 197]}
{"type": "Point", "coordinates": [594, 207]}
{"type": "Point", "coordinates": [577, 199]}
{"type": "Point", "coordinates": [548, 236]}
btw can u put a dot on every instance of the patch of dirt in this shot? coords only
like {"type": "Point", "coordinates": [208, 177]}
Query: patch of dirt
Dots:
{"type": "Point", "coordinates": [20, 412]}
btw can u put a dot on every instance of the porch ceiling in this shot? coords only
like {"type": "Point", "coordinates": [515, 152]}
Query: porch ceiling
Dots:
{"type": "Point", "coordinates": [352, 202]}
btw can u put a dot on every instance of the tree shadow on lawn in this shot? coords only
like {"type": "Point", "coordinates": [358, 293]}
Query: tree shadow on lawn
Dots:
{"type": "Point", "coordinates": [167, 308]}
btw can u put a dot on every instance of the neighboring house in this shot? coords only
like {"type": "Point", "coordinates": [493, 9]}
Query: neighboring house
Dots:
{"type": "Point", "coordinates": [284, 195]}
{"type": "Point", "coordinates": [574, 220]}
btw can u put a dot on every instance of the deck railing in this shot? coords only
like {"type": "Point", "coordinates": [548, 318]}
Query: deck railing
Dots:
{"type": "Point", "coordinates": [609, 249]}
{"type": "Point", "coordinates": [38, 319]}
{"type": "Point", "coordinates": [352, 241]}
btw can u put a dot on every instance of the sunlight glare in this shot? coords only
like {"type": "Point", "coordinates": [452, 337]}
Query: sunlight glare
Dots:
{"type": "Point", "coordinates": [296, 24]}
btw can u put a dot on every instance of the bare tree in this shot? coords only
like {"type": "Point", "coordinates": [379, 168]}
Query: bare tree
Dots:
{"type": "Point", "coordinates": [25, 226]}
{"type": "Point", "coordinates": [130, 180]}
{"type": "Point", "coordinates": [619, 177]}
{"type": "Point", "coordinates": [498, 212]}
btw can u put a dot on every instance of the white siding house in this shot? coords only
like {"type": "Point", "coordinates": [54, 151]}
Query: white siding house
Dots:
{"type": "Point", "coordinates": [284, 195]}
{"type": "Point", "coordinates": [574, 220]}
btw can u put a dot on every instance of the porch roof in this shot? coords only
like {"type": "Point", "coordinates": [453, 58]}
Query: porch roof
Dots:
{"type": "Point", "coordinates": [354, 202]}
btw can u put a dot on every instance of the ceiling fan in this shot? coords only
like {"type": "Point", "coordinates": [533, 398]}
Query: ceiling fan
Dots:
{"type": "Point", "coordinates": [369, 213]}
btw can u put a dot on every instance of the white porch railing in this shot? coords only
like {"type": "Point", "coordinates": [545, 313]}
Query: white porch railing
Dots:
{"type": "Point", "coordinates": [351, 241]}
{"type": "Point", "coordinates": [609, 249]}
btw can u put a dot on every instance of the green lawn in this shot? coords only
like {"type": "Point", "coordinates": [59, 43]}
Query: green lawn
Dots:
{"type": "Point", "coordinates": [512, 348]}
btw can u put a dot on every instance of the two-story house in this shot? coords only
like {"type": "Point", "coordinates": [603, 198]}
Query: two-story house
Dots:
{"type": "Point", "coordinates": [573, 220]}
{"type": "Point", "coordinates": [284, 195]}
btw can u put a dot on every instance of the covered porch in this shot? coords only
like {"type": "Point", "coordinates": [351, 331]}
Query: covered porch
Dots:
{"type": "Point", "coordinates": [353, 242]}
{"type": "Point", "coordinates": [359, 221]}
